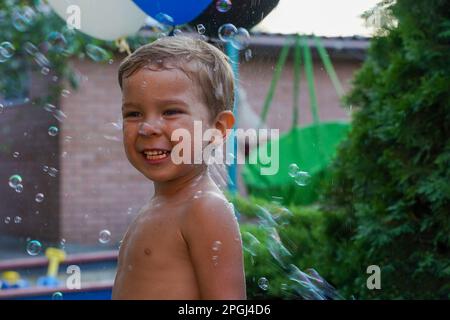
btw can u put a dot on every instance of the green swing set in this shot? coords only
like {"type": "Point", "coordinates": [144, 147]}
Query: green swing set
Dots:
{"type": "Point", "coordinates": [311, 147]}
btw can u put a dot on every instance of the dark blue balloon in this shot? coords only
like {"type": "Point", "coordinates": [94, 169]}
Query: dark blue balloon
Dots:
{"type": "Point", "coordinates": [173, 12]}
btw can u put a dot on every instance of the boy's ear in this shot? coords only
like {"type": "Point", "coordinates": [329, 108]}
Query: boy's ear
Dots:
{"type": "Point", "coordinates": [224, 120]}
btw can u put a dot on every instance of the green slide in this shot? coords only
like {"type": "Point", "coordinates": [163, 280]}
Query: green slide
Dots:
{"type": "Point", "coordinates": [310, 148]}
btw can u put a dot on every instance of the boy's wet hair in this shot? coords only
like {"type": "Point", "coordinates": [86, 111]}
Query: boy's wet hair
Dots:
{"type": "Point", "coordinates": [202, 62]}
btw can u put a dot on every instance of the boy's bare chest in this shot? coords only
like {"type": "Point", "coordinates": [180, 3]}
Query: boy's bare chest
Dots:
{"type": "Point", "coordinates": [154, 239]}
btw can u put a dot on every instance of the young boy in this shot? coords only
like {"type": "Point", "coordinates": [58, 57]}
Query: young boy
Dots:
{"type": "Point", "coordinates": [185, 243]}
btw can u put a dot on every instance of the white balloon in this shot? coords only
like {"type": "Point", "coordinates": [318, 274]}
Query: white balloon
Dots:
{"type": "Point", "coordinates": [102, 19]}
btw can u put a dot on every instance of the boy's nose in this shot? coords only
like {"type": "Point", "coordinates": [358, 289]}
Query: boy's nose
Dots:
{"type": "Point", "coordinates": [150, 128]}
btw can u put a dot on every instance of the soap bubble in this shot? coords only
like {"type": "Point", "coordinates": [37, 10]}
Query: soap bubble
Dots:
{"type": "Point", "coordinates": [34, 247]}
{"type": "Point", "coordinates": [250, 243]}
{"type": "Point", "coordinates": [104, 236]}
{"type": "Point", "coordinates": [57, 296]}
{"type": "Point", "coordinates": [227, 32]}
{"type": "Point", "coordinates": [302, 178]}
{"type": "Point", "coordinates": [52, 172]}
{"type": "Point", "coordinates": [241, 39]}
{"type": "Point", "coordinates": [201, 29]}
{"type": "Point", "coordinates": [15, 180]}
{"type": "Point", "coordinates": [223, 5]}
{"type": "Point", "coordinates": [53, 131]}
{"type": "Point", "coordinates": [39, 197]}
{"type": "Point", "coordinates": [96, 53]}
{"type": "Point", "coordinates": [57, 42]}
{"type": "Point", "coordinates": [45, 71]}
{"type": "Point", "coordinates": [248, 55]}
{"type": "Point", "coordinates": [263, 283]}
{"type": "Point", "coordinates": [293, 169]}
{"type": "Point", "coordinates": [6, 51]}
{"type": "Point", "coordinates": [30, 48]}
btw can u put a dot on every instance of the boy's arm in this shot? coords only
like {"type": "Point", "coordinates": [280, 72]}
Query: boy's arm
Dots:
{"type": "Point", "coordinates": [215, 246]}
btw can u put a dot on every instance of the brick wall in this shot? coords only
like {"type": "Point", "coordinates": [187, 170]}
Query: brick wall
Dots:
{"type": "Point", "coordinates": [24, 129]}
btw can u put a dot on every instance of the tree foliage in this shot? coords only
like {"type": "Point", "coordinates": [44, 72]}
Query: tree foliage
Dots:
{"type": "Point", "coordinates": [389, 199]}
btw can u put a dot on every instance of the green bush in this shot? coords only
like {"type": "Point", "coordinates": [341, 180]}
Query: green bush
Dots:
{"type": "Point", "coordinates": [301, 243]}
{"type": "Point", "coordinates": [389, 202]}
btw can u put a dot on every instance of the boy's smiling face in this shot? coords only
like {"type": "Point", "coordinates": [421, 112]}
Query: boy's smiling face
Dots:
{"type": "Point", "coordinates": [155, 103]}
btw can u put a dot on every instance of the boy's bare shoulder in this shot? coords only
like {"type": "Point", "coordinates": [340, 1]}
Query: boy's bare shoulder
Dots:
{"type": "Point", "coordinates": [211, 232]}
{"type": "Point", "coordinates": [210, 210]}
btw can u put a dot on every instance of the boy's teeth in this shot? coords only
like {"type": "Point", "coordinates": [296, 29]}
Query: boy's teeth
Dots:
{"type": "Point", "coordinates": [153, 153]}
{"type": "Point", "coordinates": [156, 155]}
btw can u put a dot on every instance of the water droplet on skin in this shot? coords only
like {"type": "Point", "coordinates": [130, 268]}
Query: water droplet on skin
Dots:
{"type": "Point", "coordinates": [227, 32]}
{"type": "Point", "coordinates": [302, 178]}
{"type": "Point", "coordinates": [53, 131]}
{"type": "Point", "coordinates": [17, 219]}
{"type": "Point", "coordinates": [39, 197]}
{"type": "Point", "coordinates": [34, 247]}
{"type": "Point", "coordinates": [57, 296]}
{"type": "Point", "coordinates": [215, 260]}
{"type": "Point", "coordinates": [263, 283]}
{"type": "Point", "coordinates": [198, 194]}
{"type": "Point", "coordinates": [104, 236]}
{"type": "Point", "coordinates": [223, 5]}
{"type": "Point", "coordinates": [15, 180]}
{"type": "Point", "coordinates": [7, 220]}
{"type": "Point", "coordinates": [293, 169]}
{"type": "Point", "coordinates": [216, 245]}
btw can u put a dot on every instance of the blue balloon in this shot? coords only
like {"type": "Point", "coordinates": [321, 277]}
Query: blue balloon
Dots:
{"type": "Point", "coordinates": [173, 12]}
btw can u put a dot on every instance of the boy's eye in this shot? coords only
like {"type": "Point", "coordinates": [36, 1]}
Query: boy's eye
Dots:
{"type": "Point", "coordinates": [172, 112]}
{"type": "Point", "coordinates": [131, 114]}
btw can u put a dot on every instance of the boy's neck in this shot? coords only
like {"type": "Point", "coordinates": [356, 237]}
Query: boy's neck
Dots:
{"type": "Point", "coordinates": [181, 185]}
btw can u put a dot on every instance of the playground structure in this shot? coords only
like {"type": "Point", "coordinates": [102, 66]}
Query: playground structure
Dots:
{"type": "Point", "coordinates": [309, 149]}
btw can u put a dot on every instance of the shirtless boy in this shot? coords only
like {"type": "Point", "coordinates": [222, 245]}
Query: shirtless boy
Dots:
{"type": "Point", "coordinates": [185, 243]}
